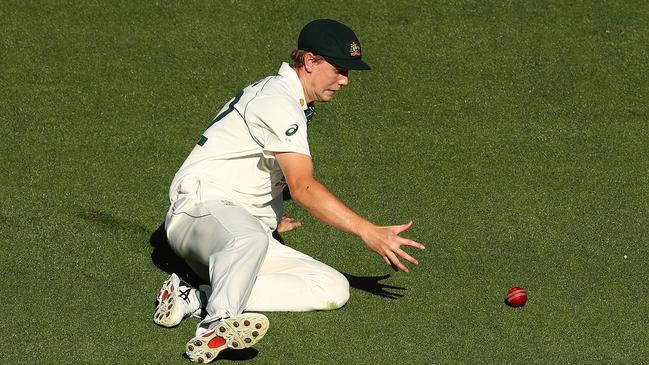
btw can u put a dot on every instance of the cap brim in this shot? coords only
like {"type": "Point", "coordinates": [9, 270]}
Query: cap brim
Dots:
{"type": "Point", "coordinates": [349, 64]}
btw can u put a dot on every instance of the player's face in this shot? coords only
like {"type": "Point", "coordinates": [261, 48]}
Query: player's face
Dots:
{"type": "Point", "coordinates": [327, 80]}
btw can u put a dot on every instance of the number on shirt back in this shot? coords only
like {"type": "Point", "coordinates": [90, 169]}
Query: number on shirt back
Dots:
{"type": "Point", "coordinates": [222, 115]}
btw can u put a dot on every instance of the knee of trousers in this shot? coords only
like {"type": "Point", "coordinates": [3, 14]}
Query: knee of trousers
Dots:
{"type": "Point", "coordinates": [335, 290]}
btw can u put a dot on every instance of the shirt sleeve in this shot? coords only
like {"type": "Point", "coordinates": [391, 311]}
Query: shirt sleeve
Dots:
{"type": "Point", "coordinates": [283, 125]}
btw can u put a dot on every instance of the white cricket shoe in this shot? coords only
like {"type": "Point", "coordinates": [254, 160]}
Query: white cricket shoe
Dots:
{"type": "Point", "coordinates": [173, 303]}
{"type": "Point", "coordinates": [237, 333]}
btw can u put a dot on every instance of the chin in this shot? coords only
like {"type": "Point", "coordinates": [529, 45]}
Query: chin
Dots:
{"type": "Point", "coordinates": [326, 97]}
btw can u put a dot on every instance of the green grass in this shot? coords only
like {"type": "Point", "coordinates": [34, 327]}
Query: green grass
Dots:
{"type": "Point", "coordinates": [513, 133]}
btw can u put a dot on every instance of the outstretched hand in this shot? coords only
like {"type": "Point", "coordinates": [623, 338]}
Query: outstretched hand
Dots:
{"type": "Point", "coordinates": [386, 242]}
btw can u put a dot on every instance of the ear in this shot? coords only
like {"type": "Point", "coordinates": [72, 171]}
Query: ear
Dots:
{"type": "Point", "coordinates": [309, 62]}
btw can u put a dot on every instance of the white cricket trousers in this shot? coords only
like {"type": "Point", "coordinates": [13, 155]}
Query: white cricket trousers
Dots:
{"type": "Point", "coordinates": [247, 268]}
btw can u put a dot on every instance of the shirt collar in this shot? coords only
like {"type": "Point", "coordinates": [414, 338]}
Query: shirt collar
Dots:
{"type": "Point", "coordinates": [287, 72]}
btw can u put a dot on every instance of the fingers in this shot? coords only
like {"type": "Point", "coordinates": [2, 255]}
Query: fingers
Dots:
{"type": "Point", "coordinates": [288, 224]}
{"type": "Point", "coordinates": [415, 244]}
{"type": "Point", "coordinates": [405, 255]}
{"type": "Point", "coordinates": [404, 241]}
{"type": "Point", "coordinates": [402, 228]}
{"type": "Point", "coordinates": [394, 261]}
{"type": "Point", "coordinates": [389, 246]}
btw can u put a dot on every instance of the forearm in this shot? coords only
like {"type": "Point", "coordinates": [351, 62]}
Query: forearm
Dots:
{"type": "Point", "coordinates": [306, 190]}
{"type": "Point", "coordinates": [320, 202]}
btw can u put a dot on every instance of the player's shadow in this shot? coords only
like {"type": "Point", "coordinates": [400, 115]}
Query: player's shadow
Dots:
{"type": "Point", "coordinates": [235, 355]}
{"type": "Point", "coordinates": [166, 260]}
{"type": "Point", "coordinates": [373, 285]}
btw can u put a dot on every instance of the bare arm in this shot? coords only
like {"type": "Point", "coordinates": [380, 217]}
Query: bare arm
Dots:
{"type": "Point", "coordinates": [319, 201]}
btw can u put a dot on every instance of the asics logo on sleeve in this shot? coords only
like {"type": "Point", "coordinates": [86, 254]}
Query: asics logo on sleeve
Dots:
{"type": "Point", "coordinates": [291, 130]}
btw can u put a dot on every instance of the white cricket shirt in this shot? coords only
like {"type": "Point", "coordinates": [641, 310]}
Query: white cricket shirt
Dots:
{"type": "Point", "coordinates": [234, 158]}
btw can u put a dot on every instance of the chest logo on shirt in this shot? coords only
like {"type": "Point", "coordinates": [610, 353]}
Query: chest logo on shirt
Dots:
{"type": "Point", "coordinates": [291, 130]}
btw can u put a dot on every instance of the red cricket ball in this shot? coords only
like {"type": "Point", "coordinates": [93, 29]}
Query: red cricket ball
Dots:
{"type": "Point", "coordinates": [516, 297]}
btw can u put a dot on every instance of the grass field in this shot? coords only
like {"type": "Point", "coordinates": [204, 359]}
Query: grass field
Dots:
{"type": "Point", "coordinates": [513, 133]}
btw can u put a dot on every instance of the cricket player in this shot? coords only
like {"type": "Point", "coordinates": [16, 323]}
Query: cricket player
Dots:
{"type": "Point", "coordinates": [226, 200]}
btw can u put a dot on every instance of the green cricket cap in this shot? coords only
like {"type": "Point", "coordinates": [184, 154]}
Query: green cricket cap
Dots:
{"type": "Point", "coordinates": [334, 41]}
